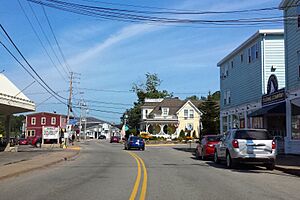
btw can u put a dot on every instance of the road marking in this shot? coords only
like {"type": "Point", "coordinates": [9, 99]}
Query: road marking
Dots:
{"type": "Point", "coordinates": [139, 162]}
{"type": "Point", "coordinates": [161, 145]}
{"type": "Point", "coordinates": [74, 148]}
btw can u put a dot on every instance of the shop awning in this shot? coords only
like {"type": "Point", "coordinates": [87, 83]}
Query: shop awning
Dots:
{"type": "Point", "coordinates": [278, 108]}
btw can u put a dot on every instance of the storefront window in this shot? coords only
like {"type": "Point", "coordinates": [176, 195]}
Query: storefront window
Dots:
{"type": "Point", "coordinates": [257, 122]}
{"type": "Point", "coordinates": [295, 120]}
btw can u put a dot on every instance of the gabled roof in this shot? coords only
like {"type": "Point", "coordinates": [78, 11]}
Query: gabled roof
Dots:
{"type": "Point", "coordinates": [192, 104]}
{"type": "Point", "coordinates": [248, 41]}
{"type": "Point", "coordinates": [174, 104]}
{"type": "Point", "coordinates": [150, 104]}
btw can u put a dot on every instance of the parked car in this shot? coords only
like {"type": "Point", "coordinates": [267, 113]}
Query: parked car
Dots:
{"type": "Point", "coordinates": [206, 146]}
{"type": "Point", "coordinates": [246, 146]}
{"type": "Point", "coordinates": [134, 142]}
{"type": "Point", "coordinates": [102, 137]}
{"type": "Point", "coordinates": [114, 139]}
{"type": "Point", "coordinates": [35, 141]}
{"type": "Point", "coordinates": [23, 141]}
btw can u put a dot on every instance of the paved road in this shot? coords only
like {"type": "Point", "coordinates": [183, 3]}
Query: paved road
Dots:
{"type": "Point", "coordinates": [106, 171]}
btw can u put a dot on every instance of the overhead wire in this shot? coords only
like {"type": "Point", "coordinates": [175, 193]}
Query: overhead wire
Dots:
{"type": "Point", "coordinates": [39, 39]}
{"type": "Point", "coordinates": [45, 85]}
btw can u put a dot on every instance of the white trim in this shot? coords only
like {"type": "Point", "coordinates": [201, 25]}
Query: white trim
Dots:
{"type": "Point", "coordinates": [197, 110]}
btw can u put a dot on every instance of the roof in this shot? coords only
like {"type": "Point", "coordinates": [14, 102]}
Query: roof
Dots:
{"type": "Point", "coordinates": [37, 113]}
{"type": "Point", "coordinates": [248, 41]}
{"type": "Point", "coordinates": [12, 100]}
{"type": "Point", "coordinates": [174, 104]}
{"type": "Point", "coordinates": [150, 104]}
{"type": "Point", "coordinates": [284, 3]}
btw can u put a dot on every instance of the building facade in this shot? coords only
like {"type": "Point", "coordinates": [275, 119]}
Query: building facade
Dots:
{"type": "Point", "coordinates": [167, 117]}
{"type": "Point", "coordinates": [36, 123]}
{"type": "Point", "coordinates": [291, 9]}
{"type": "Point", "coordinates": [250, 72]}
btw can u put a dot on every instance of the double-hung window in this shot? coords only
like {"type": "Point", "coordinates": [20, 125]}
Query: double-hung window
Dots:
{"type": "Point", "coordinates": [53, 120]}
{"type": "Point", "coordinates": [298, 58]}
{"type": "Point", "coordinates": [33, 120]}
{"type": "Point", "coordinates": [43, 120]}
{"type": "Point", "coordinates": [165, 112]}
{"type": "Point", "coordinates": [191, 113]}
{"type": "Point", "coordinates": [186, 113]}
{"type": "Point", "coordinates": [298, 13]}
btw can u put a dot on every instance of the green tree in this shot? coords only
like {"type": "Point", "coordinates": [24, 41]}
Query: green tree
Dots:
{"type": "Point", "coordinates": [149, 89]}
{"type": "Point", "coordinates": [211, 110]}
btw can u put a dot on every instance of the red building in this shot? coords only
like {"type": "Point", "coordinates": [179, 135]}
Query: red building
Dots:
{"type": "Point", "coordinates": [37, 121]}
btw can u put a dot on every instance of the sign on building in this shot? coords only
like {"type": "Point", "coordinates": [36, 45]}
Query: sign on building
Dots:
{"type": "Point", "coordinates": [50, 133]}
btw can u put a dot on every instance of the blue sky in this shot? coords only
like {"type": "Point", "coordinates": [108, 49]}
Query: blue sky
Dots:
{"type": "Point", "coordinates": [113, 55]}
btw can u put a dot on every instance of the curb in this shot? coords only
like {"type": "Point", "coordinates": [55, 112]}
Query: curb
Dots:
{"type": "Point", "coordinates": [39, 167]}
{"type": "Point", "coordinates": [295, 172]}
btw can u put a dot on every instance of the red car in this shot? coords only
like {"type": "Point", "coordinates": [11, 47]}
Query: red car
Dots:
{"type": "Point", "coordinates": [114, 139]}
{"type": "Point", "coordinates": [23, 141]}
{"type": "Point", "coordinates": [206, 147]}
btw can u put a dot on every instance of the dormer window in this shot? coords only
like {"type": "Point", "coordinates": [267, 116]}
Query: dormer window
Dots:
{"type": "Point", "coordinates": [165, 111]}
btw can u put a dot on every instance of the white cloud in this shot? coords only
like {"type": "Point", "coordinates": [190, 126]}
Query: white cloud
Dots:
{"type": "Point", "coordinates": [122, 35]}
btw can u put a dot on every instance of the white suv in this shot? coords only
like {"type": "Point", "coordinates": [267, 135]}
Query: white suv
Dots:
{"type": "Point", "coordinates": [253, 146]}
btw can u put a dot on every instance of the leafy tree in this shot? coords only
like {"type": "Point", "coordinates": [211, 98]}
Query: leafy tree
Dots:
{"type": "Point", "coordinates": [149, 89]}
{"type": "Point", "coordinates": [210, 118]}
{"type": "Point", "coordinates": [193, 98]}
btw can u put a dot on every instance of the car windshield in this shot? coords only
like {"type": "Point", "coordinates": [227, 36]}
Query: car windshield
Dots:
{"type": "Point", "coordinates": [135, 138]}
{"type": "Point", "coordinates": [252, 135]}
{"type": "Point", "coordinates": [213, 138]}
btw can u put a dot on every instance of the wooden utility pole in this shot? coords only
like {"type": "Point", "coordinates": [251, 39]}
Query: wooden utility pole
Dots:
{"type": "Point", "coordinates": [70, 98]}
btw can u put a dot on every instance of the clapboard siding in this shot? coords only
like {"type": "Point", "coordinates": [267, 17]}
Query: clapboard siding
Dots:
{"type": "Point", "coordinates": [247, 82]}
{"type": "Point", "coordinates": [292, 39]}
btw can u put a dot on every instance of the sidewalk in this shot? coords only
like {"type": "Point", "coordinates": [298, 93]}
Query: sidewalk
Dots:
{"type": "Point", "coordinates": [15, 163]}
{"type": "Point", "coordinates": [289, 164]}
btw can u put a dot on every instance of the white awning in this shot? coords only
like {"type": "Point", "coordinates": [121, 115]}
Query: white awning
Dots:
{"type": "Point", "coordinates": [12, 100]}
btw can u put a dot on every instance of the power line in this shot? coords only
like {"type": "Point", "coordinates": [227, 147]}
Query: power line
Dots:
{"type": "Point", "coordinates": [39, 39]}
{"type": "Point", "coordinates": [39, 77]}
{"type": "Point", "coordinates": [47, 39]}
{"type": "Point", "coordinates": [56, 41]}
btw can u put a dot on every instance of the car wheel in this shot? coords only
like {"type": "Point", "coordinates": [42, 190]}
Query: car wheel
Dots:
{"type": "Point", "coordinates": [270, 166]}
{"type": "Point", "coordinates": [38, 145]}
{"type": "Point", "coordinates": [203, 157]}
{"type": "Point", "coordinates": [229, 162]}
{"type": "Point", "coordinates": [216, 159]}
{"type": "Point", "coordinates": [197, 154]}
{"type": "Point", "coordinates": [143, 148]}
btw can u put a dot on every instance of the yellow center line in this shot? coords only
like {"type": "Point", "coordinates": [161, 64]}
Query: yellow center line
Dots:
{"type": "Point", "coordinates": [138, 178]}
{"type": "Point", "coordinates": [144, 186]}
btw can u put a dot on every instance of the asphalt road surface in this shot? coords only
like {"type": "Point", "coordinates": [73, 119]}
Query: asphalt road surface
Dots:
{"type": "Point", "coordinates": [106, 171]}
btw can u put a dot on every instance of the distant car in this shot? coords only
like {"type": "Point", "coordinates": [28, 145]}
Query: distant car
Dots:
{"type": "Point", "coordinates": [251, 146]}
{"type": "Point", "coordinates": [23, 141]}
{"type": "Point", "coordinates": [114, 139]}
{"type": "Point", "coordinates": [134, 142]}
{"type": "Point", "coordinates": [35, 141]}
{"type": "Point", "coordinates": [206, 146]}
{"type": "Point", "coordinates": [102, 137]}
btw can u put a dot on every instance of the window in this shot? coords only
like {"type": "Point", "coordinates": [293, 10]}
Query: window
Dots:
{"type": "Point", "coordinates": [225, 98]}
{"type": "Point", "coordinates": [30, 133]}
{"type": "Point", "coordinates": [232, 64]}
{"type": "Point", "coordinates": [165, 111]}
{"type": "Point", "coordinates": [43, 120]}
{"type": "Point", "coordinates": [228, 97]}
{"type": "Point", "coordinates": [298, 56]}
{"type": "Point", "coordinates": [226, 70]}
{"type": "Point", "coordinates": [249, 55]}
{"type": "Point", "coordinates": [186, 113]}
{"type": "Point", "coordinates": [191, 113]}
{"type": "Point", "coordinates": [146, 113]}
{"type": "Point", "coordinates": [253, 53]}
{"type": "Point", "coordinates": [53, 120]}
{"type": "Point", "coordinates": [33, 120]}
{"type": "Point", "coordinates": [242, 58]}
{"type": "Point", "coordinates": [298, 12]}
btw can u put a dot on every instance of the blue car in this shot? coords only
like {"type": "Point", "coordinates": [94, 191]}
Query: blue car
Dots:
{"type": "Point", "coordinates": [135, 142]}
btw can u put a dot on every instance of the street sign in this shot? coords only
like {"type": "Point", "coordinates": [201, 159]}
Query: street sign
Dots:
{"type": "Point", "coordinates": [126, 128]}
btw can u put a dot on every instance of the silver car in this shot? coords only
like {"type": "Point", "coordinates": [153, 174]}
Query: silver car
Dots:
{"type": "Point", "coordinates": [253, 146]}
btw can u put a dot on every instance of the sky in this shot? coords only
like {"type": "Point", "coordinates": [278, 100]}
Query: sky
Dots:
{"type": "Point", "coordinates": [108, 56]}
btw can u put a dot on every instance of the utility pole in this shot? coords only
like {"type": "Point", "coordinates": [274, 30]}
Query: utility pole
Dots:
{"type": "Point", "coordinates": [69, 105]}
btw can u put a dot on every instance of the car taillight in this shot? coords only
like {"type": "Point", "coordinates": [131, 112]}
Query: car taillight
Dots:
{"type": "Point", "coordinates": [273, 145]}
{"type": "Point", "coordinates": [235, 144]}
